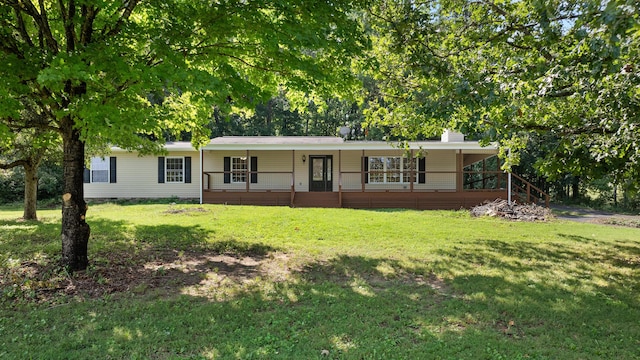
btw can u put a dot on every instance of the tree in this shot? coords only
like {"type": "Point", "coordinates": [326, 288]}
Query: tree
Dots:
{"type": "Point", "coordinates": [90, 66]}
{"type": "Point", "coordinates": [26, 147]}
{"type": "Point", "coordinates": [503, 70]}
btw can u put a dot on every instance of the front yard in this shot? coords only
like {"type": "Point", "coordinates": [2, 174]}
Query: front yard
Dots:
{"type": "Point", "coordinates": [213, 281]}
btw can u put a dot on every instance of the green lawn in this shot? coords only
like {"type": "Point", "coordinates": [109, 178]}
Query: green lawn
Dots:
{"type": "Point", "coordinates": [228, 282]}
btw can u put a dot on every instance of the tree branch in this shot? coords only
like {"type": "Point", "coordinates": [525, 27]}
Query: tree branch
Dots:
{"type": "Point", "coordinates": [89, 14]}
{"type": "Point", "coordinates": [68, 15]}
{"type": "Point", "coordinates": [22, 29]}
{"type": "Point", "coordinates": [13, 164]}
{"type": "Point", "coordinates": [127, 9]}
{"type": "Point", "coordinates": [52, 44]}
{"type": "Point", "coordinates": [243, 61]}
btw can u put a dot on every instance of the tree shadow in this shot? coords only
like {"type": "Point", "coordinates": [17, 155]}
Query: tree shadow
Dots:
{"type": "Point", "coordinates": [230, 299]}
{"type": "Point", "coordinates": [122, 258]}
{"type": "Point", "coordinates": [363, 307]}
{"type": "Point", "coordinates": [27, 238]}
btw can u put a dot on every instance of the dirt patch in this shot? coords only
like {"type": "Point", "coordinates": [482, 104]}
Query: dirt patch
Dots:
{"type": "Point", "coordinates": [169, 271]}
{"type": "Point", "coordinates": [188, 210]}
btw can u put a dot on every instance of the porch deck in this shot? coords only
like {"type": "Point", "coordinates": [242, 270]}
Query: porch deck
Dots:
{"type": "Point", "coordinates": [357, 200]}
{"type": "Point", "coordinates": [452, 195]}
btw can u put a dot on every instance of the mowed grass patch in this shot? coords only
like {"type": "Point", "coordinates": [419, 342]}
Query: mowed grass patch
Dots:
{"type": "Point", "coordinates": [209, 281]}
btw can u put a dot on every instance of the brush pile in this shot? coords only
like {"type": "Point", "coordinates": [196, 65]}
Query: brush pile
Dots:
{"type": "Point", "coordinates": [515, 211]}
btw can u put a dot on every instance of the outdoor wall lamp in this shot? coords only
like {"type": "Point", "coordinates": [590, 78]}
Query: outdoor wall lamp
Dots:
{"type": "Point", "coordinates": [304, 158]}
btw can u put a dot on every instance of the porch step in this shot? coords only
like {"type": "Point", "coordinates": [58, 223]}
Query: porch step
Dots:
{"type": "Point", "coordinates": [525, 192]}
{"type": "Point", "coordinates": [316, 199]}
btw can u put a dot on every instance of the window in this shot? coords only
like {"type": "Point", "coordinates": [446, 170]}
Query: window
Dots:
{"type": "Point", "coordinates": [238, 169]}
{"type": "Point", "coordinates": [389, 169]}
{"type": "Point", "coordinates": [174, 169]}
{"type": "Point", "coordinates": [99, 170]}
{"type": "Point", "coordinates": [235, 169]}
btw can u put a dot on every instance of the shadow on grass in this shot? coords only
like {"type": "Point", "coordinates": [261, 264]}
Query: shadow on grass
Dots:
{"type": "Point", "coordinates": [122, 258]}
{"type": "Point", "coordinates": [19, 238]}
{"type": "Point", "coordinates": [490, 300]}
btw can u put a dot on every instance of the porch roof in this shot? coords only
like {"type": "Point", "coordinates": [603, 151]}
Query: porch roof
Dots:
{"type": "Point", "coordinates": [336, 143]}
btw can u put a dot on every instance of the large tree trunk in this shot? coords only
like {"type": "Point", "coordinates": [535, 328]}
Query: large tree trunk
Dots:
{"type": "Point", "coordinates": [75, 230]}
{"type": "Point", "coordinates": [30, 191]}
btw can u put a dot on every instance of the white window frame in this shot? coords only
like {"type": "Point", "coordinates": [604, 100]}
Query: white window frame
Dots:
{"type": "Point", "coordinates": [179, 172]}
{"type": "Point", "coordinates": [100, 164]}
{"type": "Point", "coordinates": [404, 171]}
{"type": "Point", "coordinates": [239, 175]}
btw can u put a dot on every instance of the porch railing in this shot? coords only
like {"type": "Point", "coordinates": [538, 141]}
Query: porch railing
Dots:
{"type": "Point", "coordinates": [417, 181]}
{"type": "Point", "coordinates": [258, 181]}
{"type": "Point", "coordinates": [360, 181]}
{"type": "Point", "coordinates": [525, 192]}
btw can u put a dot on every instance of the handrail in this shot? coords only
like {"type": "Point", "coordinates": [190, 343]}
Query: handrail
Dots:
{"type": "Point", "coordinates": [529, 187]}
{"type": "Point", "coordinates": [249, 173]}
{"type": "Point", "coordinates": [486, 175]}
{"type": "Point", "coordinates": [410, 179]}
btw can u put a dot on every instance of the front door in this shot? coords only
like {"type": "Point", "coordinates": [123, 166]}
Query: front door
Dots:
{"type": "Point", "coordinates": [320, 173]}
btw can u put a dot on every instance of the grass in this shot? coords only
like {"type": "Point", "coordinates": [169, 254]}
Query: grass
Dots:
{"type": "Point", "coordinates": [225, 282]}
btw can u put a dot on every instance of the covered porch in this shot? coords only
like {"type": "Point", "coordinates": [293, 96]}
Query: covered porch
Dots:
{"type": "Point", "coordinates": [329, 172]}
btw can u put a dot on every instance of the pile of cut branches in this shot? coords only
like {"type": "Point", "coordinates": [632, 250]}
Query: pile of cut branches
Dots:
{"type": "Point", "coordinates": [515, 211]}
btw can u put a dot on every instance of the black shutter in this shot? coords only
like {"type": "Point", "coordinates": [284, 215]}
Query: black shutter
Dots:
{"type": "Point", "coordinates": [421, 170]}
{"type": "Point", "coordinates": [227, 170]}
{"type": "Point", "coordinates": [254, 167]}
{"type": "Point", "coordinates": [187, 169]}
{"type": "Point", "coordinates": [161, 170]}
{"type": "Point", "coordinates": [86, 176]}
{"type": "Point", "coordinates": [365, 167]}
{"type": "Point", "coordinates": [112, 170]}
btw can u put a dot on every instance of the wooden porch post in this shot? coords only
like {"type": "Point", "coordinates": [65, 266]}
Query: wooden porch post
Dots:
{"type": "Point", "coordinates": [412, 172]}
{"type": "Point", "coordinates": [248, 174]}
{"type": "Point", "coordinates": [362, 174]}
{"type": "Point", "coordinates": [340, 178]}
{"type": "Point", "coordinates": [459, 169]}
{"type": "Point", "coordinates": [293, 175]}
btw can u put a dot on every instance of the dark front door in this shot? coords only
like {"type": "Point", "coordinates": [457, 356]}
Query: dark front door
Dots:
{"type": "Point", "coordinates": [320, 173]}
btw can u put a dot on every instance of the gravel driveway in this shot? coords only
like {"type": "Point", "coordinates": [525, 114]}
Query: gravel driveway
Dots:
{"type": "Point", "coordinates": [585, 215]}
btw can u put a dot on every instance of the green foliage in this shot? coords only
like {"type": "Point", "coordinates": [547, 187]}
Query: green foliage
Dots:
{"type": "Point", "coordinates": [564, 70]}
{"type": "Point", "coordinates": [214, 281]}
{"type": "Point", "coordinates": [278, 117]}
{"type": "Point", "coordinates": [49, 183]}
{"type": "Point", "coordinates": [11, 186]}
{"type": "Point", "coordinates": [91, 69]}
{"type": "Point", "coordinates": [101, 68]}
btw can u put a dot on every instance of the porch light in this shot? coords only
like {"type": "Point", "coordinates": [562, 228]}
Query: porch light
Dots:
{"type": "Point", "coordinates": [304, 158]}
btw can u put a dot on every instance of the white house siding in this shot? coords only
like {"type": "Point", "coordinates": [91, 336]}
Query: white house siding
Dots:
{"type": "Point", "coordinates": [440, 160]}
{"type": "Point", "coordinates": [351, 168]}
{"type": "Point", "coordinates": [137, 177]}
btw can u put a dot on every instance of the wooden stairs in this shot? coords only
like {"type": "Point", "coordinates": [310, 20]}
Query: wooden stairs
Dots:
{"type": "Point", "coordinates": [523, 191]}
{"type": "Point", "coordinates": [317, 199]}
